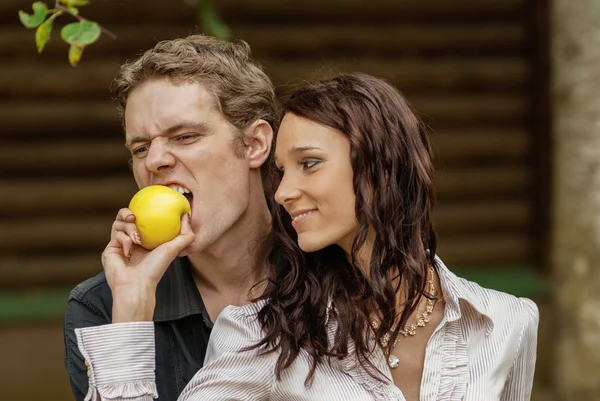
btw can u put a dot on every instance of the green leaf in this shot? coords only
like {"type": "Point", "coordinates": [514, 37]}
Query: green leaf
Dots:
{"type": "Point", "coordinates": [42, 34]}
{"type": "Point", "coordinates": [40, 9]}
{"type": "Point", "coordinates": [73, 11]}
{"type": "Point", "coordinates": [75, 53]}
{"type": "Point", "coordinates": [75, 3]}
{"type": "Point", "coordinates": [211, 21]}
{"type": "Point", "coordinates": [81, 33]}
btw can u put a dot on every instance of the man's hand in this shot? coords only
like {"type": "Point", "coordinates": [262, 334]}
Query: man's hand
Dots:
{"type": "Point", "coordinates": [132, 272]}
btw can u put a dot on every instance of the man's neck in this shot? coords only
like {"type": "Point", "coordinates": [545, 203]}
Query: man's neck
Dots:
{"type": "Point", "coordinates": [228, 268]}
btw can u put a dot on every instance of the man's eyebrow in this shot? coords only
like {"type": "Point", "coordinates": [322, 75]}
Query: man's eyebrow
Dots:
{"type": "Point", "coordinates": [201, 128]}
{"type": "Point", "coordinates": [134, 140]}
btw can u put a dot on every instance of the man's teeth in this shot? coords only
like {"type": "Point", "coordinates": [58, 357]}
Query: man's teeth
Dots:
{"type": "Point", "coordinates": [303, 214]}
{"type": "Point", "coordinates": [181, 190]}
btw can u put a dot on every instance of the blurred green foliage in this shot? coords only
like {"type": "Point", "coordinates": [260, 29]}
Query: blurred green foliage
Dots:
{"type": "Point", "coordinates": [84, 32]}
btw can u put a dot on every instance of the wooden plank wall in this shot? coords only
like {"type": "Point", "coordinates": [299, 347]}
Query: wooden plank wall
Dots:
{"type": "Point", "coordinates": [465, 65]}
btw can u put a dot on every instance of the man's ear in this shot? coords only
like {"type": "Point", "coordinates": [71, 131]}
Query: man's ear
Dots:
{"type": "Point", "coordinates": [258, 139]}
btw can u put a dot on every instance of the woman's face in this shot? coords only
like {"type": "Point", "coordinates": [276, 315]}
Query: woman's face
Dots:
{"type": "Point", "coordinates": [316, 188]}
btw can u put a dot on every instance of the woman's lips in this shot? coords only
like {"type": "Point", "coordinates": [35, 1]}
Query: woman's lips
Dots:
{"type": "Point", "coordinates": [302, 218]}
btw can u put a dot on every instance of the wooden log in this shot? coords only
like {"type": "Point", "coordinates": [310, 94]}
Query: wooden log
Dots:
{"type": "Point", "coordinates": [28, 270]}
{"type": "Point", "coordinates": [302, 40]}
{"type": "Point", "coordinates": [485, 145]}
{"type": "Point", "coordinates": [410, 75]}
{"type": "Point", "coordinates": [92, 156]}
{"type": "Point", "coordinates": [486, 250]}
{"type": "Point", "coordinates": [56, 232]}
{"type": "Point", "coordinates": [281, 11]}
{"type": "Point", "coordinates": [18, 43]}
{"type": "Point", "coordinates": [89, 80]}
{"type": "Point", "coordinates": [449, 111]}
{"type": "Point", "coordinates": [489, 181]}
{"type": "Point", "coordinates": [361, 10]}
{"type": "Point", "coordinates": [292, 40]}
{"type": "Point", "coordinates": [496, 215]}
{"type": "Point", "coordinates": [51, 197]}
{"type": "Point", "coordinates": [67, 117]}
{"type": "Point", "coordinates": [107, 12]}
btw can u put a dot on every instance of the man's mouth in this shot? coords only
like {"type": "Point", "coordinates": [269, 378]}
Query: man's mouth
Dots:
{"type": "Point", "coordinates": [180, 189]}
{"type": "Point", "coordinates": [183, 191]}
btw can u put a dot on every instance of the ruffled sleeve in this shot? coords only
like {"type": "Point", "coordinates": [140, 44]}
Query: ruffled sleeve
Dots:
{"type": "Point", "coordinates": [120, 359]}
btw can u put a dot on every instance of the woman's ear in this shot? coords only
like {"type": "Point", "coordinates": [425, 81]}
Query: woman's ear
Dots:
{"type": "Point", "coordinates": [258, 140]}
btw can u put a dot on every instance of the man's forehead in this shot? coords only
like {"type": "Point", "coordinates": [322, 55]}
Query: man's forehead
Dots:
{"type": "Point", "coordinates": [157, 112]}
{"type": "Point", "coordinates": [166, 99]}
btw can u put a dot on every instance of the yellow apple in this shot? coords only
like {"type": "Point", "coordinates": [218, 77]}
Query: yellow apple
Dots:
{"type": "Point", "coordinates": [158, 210]}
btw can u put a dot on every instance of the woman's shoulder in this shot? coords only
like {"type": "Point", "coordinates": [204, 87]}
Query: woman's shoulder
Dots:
{"type": "Point", "coordinates": [502, 308]}
{"type": "Point", "coordinates": [241, 321]}
{"type": "Point", "coordinates": [242, 312]}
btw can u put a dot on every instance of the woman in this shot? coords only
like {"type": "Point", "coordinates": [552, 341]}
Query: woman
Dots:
{"type": "Point", "coordinates": [356, 304]}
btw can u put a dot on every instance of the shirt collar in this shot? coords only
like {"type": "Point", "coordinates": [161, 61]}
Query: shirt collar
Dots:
{"type": "Point", "coordinates": [177, 295]}
{"type": "Point", "coordinates": [456, 289]}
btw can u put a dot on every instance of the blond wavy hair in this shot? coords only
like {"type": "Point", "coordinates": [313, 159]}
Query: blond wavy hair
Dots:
{"type": "Point", "coordinates": [238, 85]}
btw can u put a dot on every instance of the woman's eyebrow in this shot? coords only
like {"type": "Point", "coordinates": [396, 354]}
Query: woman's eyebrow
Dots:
{"type": "Point", "coordinates": [299, 149]}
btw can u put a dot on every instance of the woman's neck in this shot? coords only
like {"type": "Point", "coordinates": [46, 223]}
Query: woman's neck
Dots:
{"type": "Point", "coordinates": [400, 285]}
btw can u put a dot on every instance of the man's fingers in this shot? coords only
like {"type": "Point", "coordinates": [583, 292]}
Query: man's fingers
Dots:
{"type": "Point", "coordinates": [126, 243]}
{"type": "Point", "coordinates": [112, 252]}
{"type": "Point", "coordinates": [186, 236]}
{"type": "Point", "coordinates": [128, 228]}
{"type": "Point", "coordinates": [186, 225]}
{"type": "Point", "coordinates": [125, 215]}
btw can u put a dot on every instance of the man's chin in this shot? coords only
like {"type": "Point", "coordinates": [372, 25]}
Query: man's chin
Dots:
{"type": "Point", "coordinates": [191, 249]}
{"type": "Point", "coordinates": [186, 252]}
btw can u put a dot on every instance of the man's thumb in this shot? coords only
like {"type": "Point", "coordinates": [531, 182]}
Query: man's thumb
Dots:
{"type": "Point", "coordinates": [186, 236]}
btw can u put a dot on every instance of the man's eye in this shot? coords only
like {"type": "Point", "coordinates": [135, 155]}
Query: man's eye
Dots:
{"type": "Point", "coordinates": [139, 150]}
{"type": "Point", "coordinates": [186, 137]}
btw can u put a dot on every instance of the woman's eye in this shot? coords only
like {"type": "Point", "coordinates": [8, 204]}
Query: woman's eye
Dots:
{"type": "Point", "coordinates": [308, 164]}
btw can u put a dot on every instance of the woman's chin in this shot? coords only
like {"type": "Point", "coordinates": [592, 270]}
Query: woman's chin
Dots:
{"type": "Point", "coordinates": [308, 245]}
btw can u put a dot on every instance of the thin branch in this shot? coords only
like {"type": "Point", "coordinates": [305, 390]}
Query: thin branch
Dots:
{"type": "Point", "coordinates": [80, 18]}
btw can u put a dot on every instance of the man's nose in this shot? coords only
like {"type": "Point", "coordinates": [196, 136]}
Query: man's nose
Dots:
{"type": "Point", "coordinates": [159, 159]}
{"type": "Point", "coordinates": [287, 191]}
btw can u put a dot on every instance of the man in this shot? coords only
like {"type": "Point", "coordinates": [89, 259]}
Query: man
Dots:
{"type": "Point", "coordinates": [197, 114]}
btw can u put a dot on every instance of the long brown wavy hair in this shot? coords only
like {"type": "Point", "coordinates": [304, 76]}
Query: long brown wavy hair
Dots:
{"type": "Point", "coordinates": [395, 196]}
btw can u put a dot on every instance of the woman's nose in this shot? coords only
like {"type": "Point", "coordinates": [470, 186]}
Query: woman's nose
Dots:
{"type": "Point", "coordinates": [286, 191]}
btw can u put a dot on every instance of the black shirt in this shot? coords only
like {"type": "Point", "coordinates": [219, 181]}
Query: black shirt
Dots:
{"type": "Point", "coordinates": [181, 325]}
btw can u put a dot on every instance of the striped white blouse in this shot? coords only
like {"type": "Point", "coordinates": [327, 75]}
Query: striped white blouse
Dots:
{"type": "Point", "coordinates": [483, 349]}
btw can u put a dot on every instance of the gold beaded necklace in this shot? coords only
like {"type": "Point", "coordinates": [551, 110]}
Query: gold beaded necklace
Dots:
{"type": "Point", "coordinates": [409, 330]}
